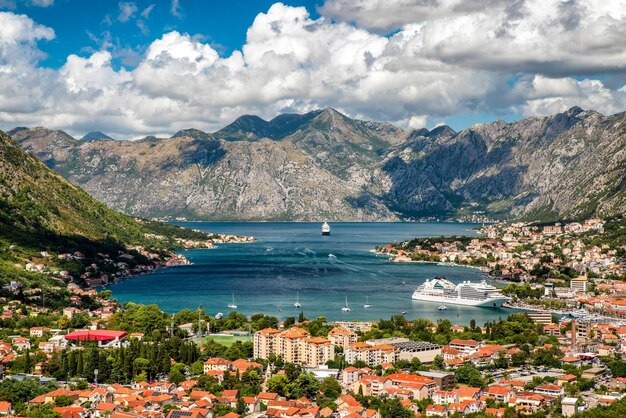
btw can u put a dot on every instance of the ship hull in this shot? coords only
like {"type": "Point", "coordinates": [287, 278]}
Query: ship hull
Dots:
{"type": "Point", "coordinates": [487, 303]}
{"type": "Point", "coordinates": [325, 232]}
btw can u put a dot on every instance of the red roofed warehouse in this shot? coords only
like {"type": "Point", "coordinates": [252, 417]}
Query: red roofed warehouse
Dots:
{"type": "Point", "coordinates": [103, 337]}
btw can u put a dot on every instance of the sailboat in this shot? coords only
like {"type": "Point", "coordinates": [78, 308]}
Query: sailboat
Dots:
{"type": "Point", "coordinates": [232, 305]}
{"type": "Point", "coordinates": [346, 308]}
{"type": "Point", "coordinates": [297, 304]}
{"type": "Point", "coordinates": [442, 307]}
{"type": "Point", "coordinates": [367, 302]}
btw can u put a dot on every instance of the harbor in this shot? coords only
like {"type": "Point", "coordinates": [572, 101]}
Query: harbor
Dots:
{"type": "Point", "coordinates": [294, 262]}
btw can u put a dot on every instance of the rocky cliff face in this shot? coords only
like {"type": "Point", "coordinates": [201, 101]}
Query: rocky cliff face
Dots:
{"type": "Point", "coordinates": [568, 165]}
{"type": "Point", "coordinates": [325, 166]}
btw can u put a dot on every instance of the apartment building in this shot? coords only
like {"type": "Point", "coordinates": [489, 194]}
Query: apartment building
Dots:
{"type": "Point", "coordinates": [342, 337]}
{"type": "Point", "coordinates": [372, 355]}
{"type": "Point", "coordinates": [294, 345]}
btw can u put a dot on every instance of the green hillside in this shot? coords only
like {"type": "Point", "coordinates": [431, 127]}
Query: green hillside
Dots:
{"type": "Point", "coordinates": [40, 212]}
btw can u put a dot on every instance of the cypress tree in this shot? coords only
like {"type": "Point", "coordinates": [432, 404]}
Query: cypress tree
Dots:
{"type": "Point", "coordinates": [27, 362]}
{"type": "Point", "coordinates": [79, 364]}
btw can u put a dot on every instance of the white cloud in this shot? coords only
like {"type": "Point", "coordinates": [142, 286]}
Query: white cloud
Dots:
{"type": "Point", "coordinates": [293, 63]}
{"type": "Point", "coordinates": [18, 37]}
{"type": "Point", "coordinates": [553, 37]}
{"type": "Point", "coordinates": [176, 9]}
{"type": "Point", "coordinates": [42, 3]}
{"type": "Point", "coordinates": [20, 28]}
{"type": "Point", "coordinates": [418, 122]}
{"type": "Point", "coordinates": [146, 12]}
{"type": "Point", "coordinates": [127, 11]}
{"type": "Point", "coordinates": [545, 96]}
{"type": "Point", "coordinates": [143, 27]}
{"type": "Point", "coordinates": [386, 15]}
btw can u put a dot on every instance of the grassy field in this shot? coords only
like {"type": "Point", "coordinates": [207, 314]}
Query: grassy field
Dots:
{"type": "Point", "coordinates": [226, 340]}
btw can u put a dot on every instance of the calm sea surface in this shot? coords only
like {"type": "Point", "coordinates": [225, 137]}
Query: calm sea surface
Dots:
{"type": "Point", "coordinates": [291, 258]}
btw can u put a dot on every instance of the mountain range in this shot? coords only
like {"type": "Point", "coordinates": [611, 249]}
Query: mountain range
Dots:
{"type": "Point", "coordinates": [323, 165]}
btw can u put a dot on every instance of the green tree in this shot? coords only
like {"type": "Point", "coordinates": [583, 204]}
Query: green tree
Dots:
{"type": "Point", "coordinates": [392, 408]}
{"type": "Point", "coordinates": [196, 368]}
{"type": "Point", "coordinates": [469, 375]}
{"type": "Point", "coordinates": [241, 406]}
{"type": "Point", "coordinates": [519, 359]}
{"type": "Point", "coordinates": [20, 391]}
{"type": "Point", "coordinates": [63, 400]}
{"type": "Point", "coordinates": [438, 362]}
{"type": "Point", "coordinates": [305, 385]}
{"type": "Point", "coordinates": [330, 388]}
{"type": "Point", "coordinates": [41, 411]}
{"type": "Point", "coordinates": [278, 384]}
{"type": "Point", "coordinates": [176, 377]}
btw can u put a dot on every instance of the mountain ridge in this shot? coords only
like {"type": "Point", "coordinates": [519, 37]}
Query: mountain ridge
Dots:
{"type": "Point", "coordinates": [324, 165]}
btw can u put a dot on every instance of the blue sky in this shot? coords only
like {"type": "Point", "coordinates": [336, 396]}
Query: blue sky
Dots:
{"type": "Point", "coordinates": [221, 23]}
{"type": "Point", "coordinates": [138, 67]}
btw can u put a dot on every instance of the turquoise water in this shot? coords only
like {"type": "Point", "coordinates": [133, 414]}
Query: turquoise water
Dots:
{"type": "Point", "coordinates": [287, 258]}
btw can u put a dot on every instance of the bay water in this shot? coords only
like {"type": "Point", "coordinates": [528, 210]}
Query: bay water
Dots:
{"type": "Point", "coordinates": [290, 259]}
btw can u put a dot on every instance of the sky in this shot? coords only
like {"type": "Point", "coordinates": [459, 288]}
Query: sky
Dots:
{"type": "Point", "coordinates": [136, 68]}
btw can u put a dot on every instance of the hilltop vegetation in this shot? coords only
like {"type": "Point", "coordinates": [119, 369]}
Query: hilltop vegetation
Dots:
{"type": "Point", "coordinates": [42, 215]}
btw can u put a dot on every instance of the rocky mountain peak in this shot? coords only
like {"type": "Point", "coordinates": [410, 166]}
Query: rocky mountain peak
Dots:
{"type": "Point", "coordinates": [245, 127]}
{"type": "Point", "coordinates": [192, 133]}
{"type": "Point", "coordinates": [574, 111]}
{"type": "Point", "coordinates": [48, 137]}
{"type": "Point", "coordinates": [442, 131]}
{"type": "Point", "coordinates": [330, 116]}
{"type": "Point", "coordinates": [95, 136]}
{"type": "Point", "coordinates": [417, 133]}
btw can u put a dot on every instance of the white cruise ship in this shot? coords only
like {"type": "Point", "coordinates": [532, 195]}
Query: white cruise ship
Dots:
{"type": "Point", "coordinates": [443, 291]}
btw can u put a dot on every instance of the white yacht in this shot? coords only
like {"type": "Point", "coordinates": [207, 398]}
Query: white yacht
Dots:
{"type": "Point", "coordinates": [367, 302]}
{"type": "Point", "coordinates": [442, 307]}
{"type": "Point", "coordinates": [297, 304]}
{"type": "Point", "coordinates": [325, 228]}
{"type": "Point", "coordinates": [233, 305]}
{"type": "Point", "coordinates": [219, 315]}
{"type": "Point", "coordinates": [346, 308]}
{"type": "Point", "coordinates": [466, 293]}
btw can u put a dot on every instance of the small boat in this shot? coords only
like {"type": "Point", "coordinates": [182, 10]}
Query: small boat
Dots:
{"type": "Point", "coordinates": [442, 307]}
{"type": "Point", "coordinates": [325, 228]}
{"type": "Point", "coordinates": [279, 308]}
{"type": "Point", "coordinates": [346, 308]}
{"type": "Point", "coordinates": [297, 304]}
{"type": "Point", "coordinates": [404, 312]}
{"type": "Point", "coordinates": [233, 305]}
{"type": "Point", "coordinates": [219, 315]}
{"type": "Point", "coordinates": [332, 256]}
{"type": "Point", "coordinates": [367, 302]}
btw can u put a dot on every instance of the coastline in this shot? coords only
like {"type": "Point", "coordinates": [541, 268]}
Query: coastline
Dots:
{"type": "Point", "coordinates": [404, 259]}
{"type": "Point", "coordinates": [177, 259]}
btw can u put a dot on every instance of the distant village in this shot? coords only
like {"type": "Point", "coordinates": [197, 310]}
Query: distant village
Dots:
{"type": "Point", "coordinates": [553, 259]}
{"type": "Point", "coordinates": [111, 268]}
